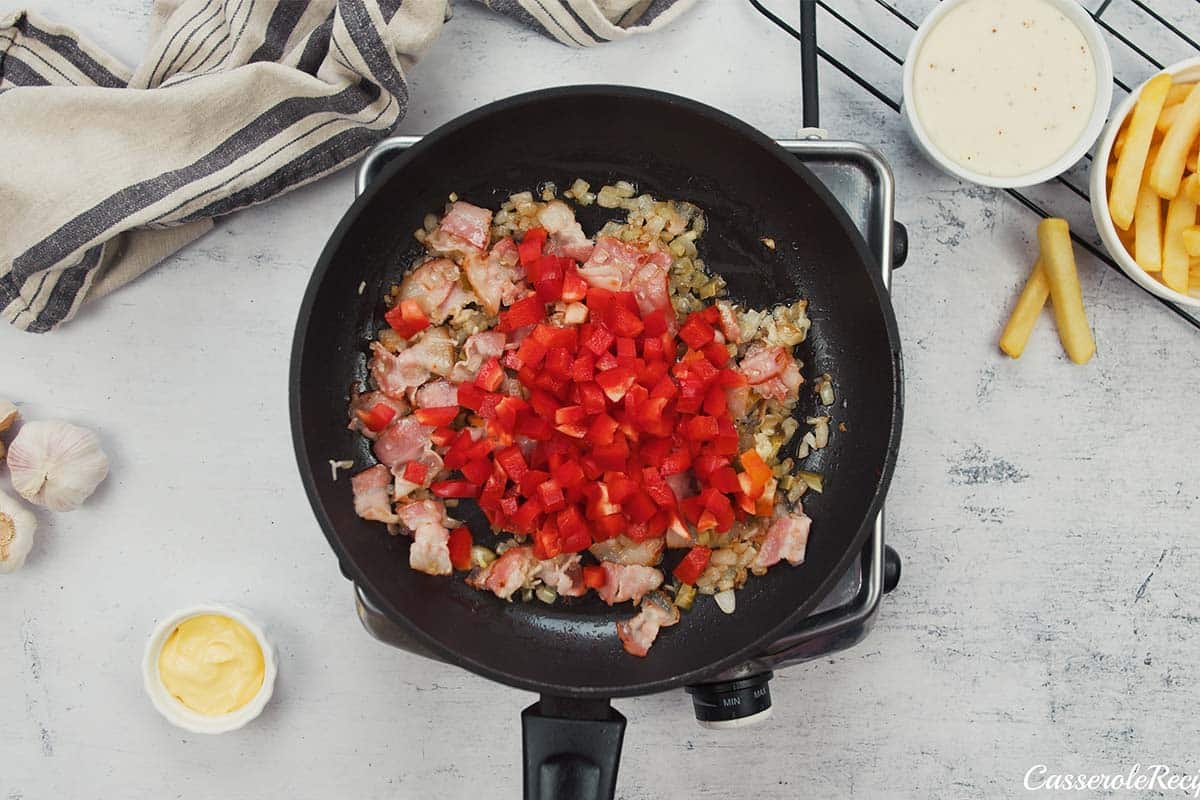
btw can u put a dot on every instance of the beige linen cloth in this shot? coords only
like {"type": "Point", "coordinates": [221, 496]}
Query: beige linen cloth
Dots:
{"type": "Point", "coordinates": [106, 170]}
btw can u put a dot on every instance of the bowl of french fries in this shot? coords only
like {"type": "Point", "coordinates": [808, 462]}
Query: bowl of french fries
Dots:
{"type": "Point", "coordinates": [1145, 184]}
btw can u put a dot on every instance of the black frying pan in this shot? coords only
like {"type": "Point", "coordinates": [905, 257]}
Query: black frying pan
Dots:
{"type": "Point", "coordinates": [748, 188]}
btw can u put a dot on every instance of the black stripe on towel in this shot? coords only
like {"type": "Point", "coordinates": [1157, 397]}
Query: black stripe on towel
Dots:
{"type": "Point", "coordinates": [17, 72]}
{"type": "Point", "coordinates": [70, 51]}
{"type": "Point", "coordinates": [63, 295]}
{"type": "Point", "coordinates": [284, 20]}
{"type": "Point", "coordinates": [316, 48]}
{"type": "Point", "coordinates": [166, 48]}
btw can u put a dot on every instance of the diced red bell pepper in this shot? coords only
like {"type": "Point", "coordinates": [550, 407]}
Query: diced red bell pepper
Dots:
{"type": "Point", "coordinates": [716, 353]}
{"type": "Point", "coordinates": [757, 469]}
{"type": "Point", "coordinates": [551, 495]}
{"type": "Point", "coordinates": [715, 401]}
{"type": "Point", "coordinates": [693, 564]}
{"type": "Point", "coordinates": [583, 369]}
{"type": "Point", "coordinates": [727, 437]}
{"type": "Point", "coordinates": [459, 451]}
{"type": "Point", "coordinates": [415, 472]}
{"type": "Point", "coordinates": [605, 362]}
{"type": "Point", "coordinates": [532, 480]}
{"type": "Point", "coordinates": [602, 430]}
{"type": "Point", "coordinates": [702, 428]}
{"type": "Point", "coordinates": [574, 287]}
{"type": "Point", "coordinates": [724, 479]}
{"type": "Point", "coordinates": [460, 548]}
{"type": "Point", "coordinates": [665, 388]}
{"type": "Point", "coordinates": [608, 526]}
{"type": "Point", "coordinates": [595, 337]}
{"type": "Point", "coordinates": [524, 312]}
{"type": "Point", "coordinates": [655, 323]}
{"type": "Point", "coordinates": [696, 332]}
{"type": "Point", "coordinates": [611, 456]}
{"type": "Point", "coordinates": [572, 421]}
{"type": "Point", "coordinates": [549, 281]}
{"type": "Point", "coordinates": [546, 541]}
{"type": "Point", "coordinates": [654, 450]}
{"type": "Point", "coordinates": [531, 352]}
{"type": "Point", "coordinates": [620, 487]}
{"type": "Point", "coordinates": [657, 488]}
{"type": "Point", "coordinates": [660, 522]}
{"type": "Point", "coordinates": [406, 318]}
{"type": "Point", "coordinates": [731, 379]}
{"type": "Point", "coordinates": [509, 505]}
{"type": "Point", "coordinates": [552, 383]}
{"type": "Point", "coordinates": [616, 382]}
{"type": "Point", "coordinates": [454, 489]}
{"type": "Point", "coordinates": [525, 519]}
{"type": "Point", "coordinates": [676, 461]}
{"type": "Point", "coordinates": [624, 322]}
{"type": "Point", "coordinates": [626, 347]}
{"type": "Point", "coordinates": [652, 349]}
{"type": "Point", "coordinates": [569, 474]}
{"type": "Point", "coordinates": [639, 506]}
{"type": "Point", "coordinates": [490, 375]}
{"type": "Point", "coordinates": [531, 425]}
{"type": "Point", "coordinates": [558, 362]}
{"type": "Point", "coordinates": [511, 360]}
{"type": "Point", "coordinates": [704, 465]}
{"type": "Point", "coordinates": [638, 531]}
{"type": "Point", "coordinates": [377, 417]}
{"type": "Point", "coordinates": [594, 576]}
{"type": "Point", "coordinates": [470, 396]}
{"type": "Point", "coordinates": [599, 300]}
{"type": "Point", "coordinates": [553, 336]}
{"type": "Point", "coordinates": [436, 416]}
{"type": "Point", "coordinates": [512, 461]}
{"type": "Point", "coordinates": [591, 397]}
{"type": "Point", "coordinates": [507, 409]}
{"type": "Point", "coordinates": [477, 470]}
{"type": "Point", "coordinates": [530, 248]}
{"type": "Point", "coordinates": [573, 530]}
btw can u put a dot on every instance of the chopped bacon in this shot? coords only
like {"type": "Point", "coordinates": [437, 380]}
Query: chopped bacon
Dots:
{"type": "Point", "coordinates": [469, 223]}
{"type": "Point", "coordinates": [566, 235]}
{"type": "Point", "coordinates": [430, 551]}
{"type": "Point", "coordinates": [368, 400]}
{"type": "Point", "coordinates": [737, 400]}
{"type": "Point", "coordinates": [787, 539]}
{"type": "Point", "coordinates": [623, 550]}
{"type": "Point", "coordinates": [498, 279]}
{"type": "Point", "coordinates": [772, 371]}
{"type": "Point", "coordinates": [637, 634]}
{"type": "Point", "coordinates": [436, 394]}
{"type": "Point", "coordinates": [426, 458]}
{"type": "Point", "coordinates": [563, 574]}
{"type": "Point", "coordinates": [373, 495]}
{"type": "Point", "coordinates": [627, 582]}
{"type": "Point", "coordinates": [504, 576]}
{"type": "Point", "coordinates": [478, 348]}
{"type": "Point", "coordinates": [458, 299]}
{"type": "Point", "coordinates": [395, 373]}
{"type": "Point", "coordinates": [430, 285]}
{"type": "Point", "coordinates": [402, 441]}
{"type": "Point", "coordinates": [611, 264]}
{"type": "Point", "coordinates": [729, 325]}
{"type": "Point", "coordinates": [651, 290]}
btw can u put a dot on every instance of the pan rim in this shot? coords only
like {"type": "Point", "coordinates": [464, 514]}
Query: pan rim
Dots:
{"type": "Point", "coordinates": [307, 470]}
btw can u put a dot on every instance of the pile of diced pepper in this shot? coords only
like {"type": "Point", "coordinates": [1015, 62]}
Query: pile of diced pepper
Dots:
{"type": "Point", "coordinates": [615, 405]}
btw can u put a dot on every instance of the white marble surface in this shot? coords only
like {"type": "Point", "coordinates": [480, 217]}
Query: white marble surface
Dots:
{"type": "Point", "coordinates": [1047, 513]}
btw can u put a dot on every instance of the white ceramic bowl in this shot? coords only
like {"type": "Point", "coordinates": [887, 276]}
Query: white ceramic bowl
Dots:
{"type": "Point", "coordinates": [1104, 83]}
{"type": "Point", "coordinates": [179, 714]}
{"type": "Point", "coordinates": [1185, 71]}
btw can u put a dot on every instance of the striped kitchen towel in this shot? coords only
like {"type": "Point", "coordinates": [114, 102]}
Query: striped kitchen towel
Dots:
{"type": "Point", "coordinates": [108, 170]}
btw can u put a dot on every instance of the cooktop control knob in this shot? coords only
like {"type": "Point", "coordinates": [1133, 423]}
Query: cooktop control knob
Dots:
{"type": "Point", "coordinates": [732, 704]}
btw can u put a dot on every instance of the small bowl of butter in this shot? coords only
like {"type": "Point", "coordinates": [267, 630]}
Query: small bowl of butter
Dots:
{"type": "Point", "coordinates": [209, 668]}
{"type": "Point", "coordinates": [1007, 94]}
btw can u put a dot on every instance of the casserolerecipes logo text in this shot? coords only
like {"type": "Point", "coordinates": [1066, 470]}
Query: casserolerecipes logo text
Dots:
{"type": "Point", "coordinates": [1137, 778]}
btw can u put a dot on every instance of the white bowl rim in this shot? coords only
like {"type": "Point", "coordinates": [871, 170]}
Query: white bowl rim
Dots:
{"type": "Point", "coordinates": [1103, 99]}
{"type": "Point", "coordinates": [1099, 194]}
{"type": "Point", "coordinates": [176, 712]}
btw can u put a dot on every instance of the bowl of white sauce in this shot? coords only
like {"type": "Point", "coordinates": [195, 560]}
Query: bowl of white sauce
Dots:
{"type": "Point", "coordinates": [1008, 93]}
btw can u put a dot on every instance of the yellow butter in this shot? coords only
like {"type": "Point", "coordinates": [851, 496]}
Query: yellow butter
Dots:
{"type": "Point", "coordinates": [212, 664]}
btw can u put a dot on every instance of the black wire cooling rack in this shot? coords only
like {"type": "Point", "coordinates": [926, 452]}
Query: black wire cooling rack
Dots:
{"type": "Point", "coordinates": [1166, 34]}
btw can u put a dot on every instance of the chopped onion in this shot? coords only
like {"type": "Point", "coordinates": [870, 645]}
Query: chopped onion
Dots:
{"type": "Point", "coordinates": [726, 600]}
{"type": "Point", "coordinates": [546, 594]}
{"type": "Point", "coordinates": [481, 556]}
{"type": "Point", "coordinates": [814, 480]}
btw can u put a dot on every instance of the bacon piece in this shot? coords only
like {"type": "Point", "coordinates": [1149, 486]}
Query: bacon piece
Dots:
{"type": "Point", "coordinates": [430, 285]}
{"type": "Point", "coordinates": [637, 634]}
{"type": "Point", "coordinates": [436, 394]}
{"type": "Point", "coordinates": [772, 371]}
{"type": "Point", "coordinates": [611, 264]}
{"type": "Point", "coordinates": [627, 582]}
{"type": "Point", "coordinates": [433, 465]}
{"type": "Point", "coordinates": [498, 278]}
{"type": "Point", "coordinates": [395, 373]}
{"type": "Point", "coordinates": [729, 325]}
{"type": "Point", "coordinates": [368, 400]}
{"type": "Point", "coordinates": [651, 289]}
{"type": "Point", "coordinates": [373, 495]}
{"type": "Point", "coordinates": [430, 551]}
{"type": "Point", "coordinates": [563, 574]}
{"type": "Point", "coordinates": [787, 539]}
{"type": "Point", "coordinates": [566, 235]}
{"type": "Point", "coordinates": [478, 348]}
{"type": "Point", "coordinates": [468, 223]}
{"type": "Point", "coordinates": [402, 441]}
{"type": "Point", "coordinates": [623, 550]}
{"type": "Point", "coordinates": [504, 576]}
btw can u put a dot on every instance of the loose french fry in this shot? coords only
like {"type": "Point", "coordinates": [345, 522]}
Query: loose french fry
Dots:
{"type": "Point", "coordinates": [1167, 170]}
{"type": "Point", "coordinates": [1058, 261]}
{"type": "Point", "coordinates": [1191, 243]}
{"type": "Point", "coordinates": [1167, 117]}
{"type": "Point", "coordinates": [1133, 159]}
{"type": "Point", "coordinates": [1147, 230]}
{"type": "Point", "coordinates": [1181, 214]}
{"type": "Point", "coordinates": [1025, 312]}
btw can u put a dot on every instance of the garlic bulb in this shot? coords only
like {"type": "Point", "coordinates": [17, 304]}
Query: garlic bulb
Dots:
{"type": "Point", "coordinates": [16, 533]}
{"type": "Point", "coordinates": [56, 464]}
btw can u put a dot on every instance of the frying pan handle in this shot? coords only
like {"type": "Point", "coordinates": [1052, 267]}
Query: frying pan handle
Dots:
{"type": "Point", "coordinates": [572, 749]}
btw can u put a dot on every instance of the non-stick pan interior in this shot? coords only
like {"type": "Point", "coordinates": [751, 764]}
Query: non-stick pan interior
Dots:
{"type": "Point", "coordinates": [749, 189]}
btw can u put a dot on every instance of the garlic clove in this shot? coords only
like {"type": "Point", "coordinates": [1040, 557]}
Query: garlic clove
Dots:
{"type": "Point", "coordinates": [56, 464]}
{"type": "Point", "coordinates": [17, 525]}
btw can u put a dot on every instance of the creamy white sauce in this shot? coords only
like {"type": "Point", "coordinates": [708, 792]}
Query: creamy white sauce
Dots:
{"type": "Point", "coordinates": [1006, 87]}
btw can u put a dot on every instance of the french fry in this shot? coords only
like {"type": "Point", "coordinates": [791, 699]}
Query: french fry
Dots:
{"type": "Point", "coordinates": [1025, 312]}
{"type": "Point", "coordinates": [1147, 230]}
{"type": "Point", "coordinates": [1058, 261]}
{"type": "Point", "coordinates": [1122, 200]}
{"type": "Point", "coordinates": [1191, 187]}
{"type": "Point", "coordinates": [1193, 160]}
{"type": "Point", "coordinates": [1191, 243]}
{"type": "Point", "coordinates": [1167, 170]}
{"type": "Point", "coordinates": [1167, 117]}
{"type": "Point", "coordinates": [1177, 94]}
{"type": "Point", "coordinates": [1181, 214]}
